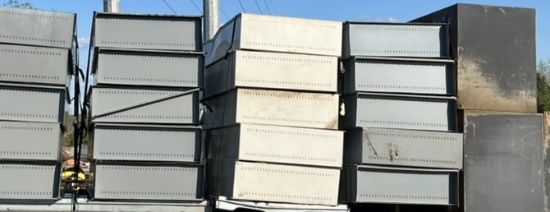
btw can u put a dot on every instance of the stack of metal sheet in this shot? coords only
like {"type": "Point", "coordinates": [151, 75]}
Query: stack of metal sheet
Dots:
{"type": "Point", "coordinates": [401, 116]}
{"type": "Point", "coordinates": [271, 89]}
{"type": "Point", "coordinates": [36, 50]}
{"type": "Point", "coordinates": [147, 139]}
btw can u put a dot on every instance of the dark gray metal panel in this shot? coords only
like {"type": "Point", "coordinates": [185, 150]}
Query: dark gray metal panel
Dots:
{"type": "Point", "coordinates": [394, 76]}
{"type": "Point", "coordinates": [30, 141]}
{"type": "Point", "coordinates": [34, 27]}
{"type": "Point", "coordinates": [26, 64]}
{"type": "Point", "coordinates": [147, 143]}
{"type": "Point", "coordinates": [181, 110]}
{"type": "Point", "coordinates": [399, 112]}
{"type": "Point", "coordinates": [26, 181]}
{"type": "Point", "coordinates": [168, 32]}
{"type": "Point", "coordinates": [132, 181]}
{"type": "Point", "coordinates": [495, 49]}
{"type": "Point", "coordinates": [32, 103]}
{"type": "Point", "coordinates": [404, 148]}
{"type": "Point", "coordinates": [150, 68]}
{"type": "Point", "coordinates": [376, 184]}
{"type": "Point", "coordinates": [503, 162]}
{"type": "Point", "coordinates": [395, 40]}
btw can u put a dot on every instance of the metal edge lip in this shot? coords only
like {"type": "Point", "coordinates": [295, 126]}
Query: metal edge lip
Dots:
{"type": "Point", "coordinates": [393, 23]}
{"type": "Point", "coordinates": [101, 15]}
{"type": "Point", "coordinates": [427, 97]}
{"type": "Point", "coordinates": [122, 163]}
{"type": "Point", "coordinates": [32, 86]}
{"type": "Point", "coordinates": [394, 168]}
{"type": "Point", "coordinates": [133, 125]}
{"type": "Point", "coordinates": [401, 59]}
{"type": "Point", "coordinates": [44, 11]}
{"type": "Point", "coordinates": [276, 206]}
{"type": "Point", "coordinates": [113, 49]}
{"type": "Point", "coordinates": [143, 88]}
{"type": "Point", "coordinates": [405, 130]}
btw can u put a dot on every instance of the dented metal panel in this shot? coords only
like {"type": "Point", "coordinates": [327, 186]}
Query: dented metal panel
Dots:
{"type": "Point", "coordinates": [281, 108]}
{"type": "Point", "coordinates": [393, 75]}
{"type": "Point", "coordinates": [29, 182]}
{"type": "Point", "coordinates": [26, 64]}
{"type": "Point", "coordinates": [399, 112]}
{"type": "Point", "coordinates": [275, 183]}
{"type": "Point", "coordinates": [147, 143]}
{"type": "Point", "coordinates": [160, 32]}
{"type": "Point", "coordinates": [151, 68]}
{"type": "Point", "coordinates": [496, 63]}
{"type": "Point", "coordinates": [289, 145]}
{"type": "Point", "coordinates": [272, 70]}
{"type": "Point", "coordinates": [278, 34]}
{"type": "Point", "coordinates": [30, 141]}
{"type": "Point", "coordinates": [31, 103]}
{"type": "Point", "coordinates": [148, 182]}
{"type": "Point", "coordinates": [503, 166]}
{"type": "Point", "coordinates": [404, 148]}
{"type": "Point", "coordinates": [377, 184]}
{"type": "Point", "coordinates": [395, 40]}
{"type": "Point", "coordinates": [38, 28]}
{"type": "Point", "coordinates": [182, 109]}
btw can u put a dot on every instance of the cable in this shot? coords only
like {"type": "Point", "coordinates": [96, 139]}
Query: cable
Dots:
{"type": "Point", "coordinates": [242, 7]}
{"type": "Point", "coordinates": [257, 5]}
{"type": "Point", "coordinates": [267, 6]}
{"type": "Point", "coordinates": [165, 2]}
{"type": "Point", "coordinates": [224, 14]}
{"type": "Point", "coordinates": [200, 11]}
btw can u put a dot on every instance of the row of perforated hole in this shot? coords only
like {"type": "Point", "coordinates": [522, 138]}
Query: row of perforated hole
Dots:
{"type": "Point", "coordinates": [431, 66]}
{"type": "Point", "coordinates": [399, 28]}
{"type": "Point", "coordinates": [405, 174]}
{"type": "Point", "coordinates": [413, 160]}
{"type": "Point", "coordinates": [27, 128]}
{"type": "Point", "coordinates": [290, 96]}
{"type": "Point", "coordinates": [403, 123]}
{"type": "Point", "coordinates": [143, 168]}
{"type": "Point", "coordinates": [319, 134]}
{"type": "Point", "coordinates": [31, 39]}
{"type": "Point", "coordinates": [292, 157]}
{"type": "Point", "coordinates": [390, 99]}
{"type": "Point", "coordinates": [105, 42]}
{"type": "Point", "coordinates": [42, 92]}
{"type": "Point", "coordinates": [147, 193]}
{"type": "Point", "coordinates": [151, 117]}
{"type": "Point", "coordinates": [142, 79]}
{"type": "Point", "coordinates": [28, 115]}
{"type": "Point", "coordinates": [34, 15]}
{"type": "Point", "coordinates": [21, 193]}
{"type": "Point", "coordinates": [156, 58]}
{"type": "Point", "coordinates": [16, 51]}
{"type": "Point", "coordinates": [409, 87]}
{"type": "Point", "coordinates": [148, 19]}
{"type": "Point", "coordinates": [402, 51]}
{"type": "Point", "coordinates": [150, 132]}
{"type": "Point", "coordinates": [24, 153]}
{"type": "Point", "coordinates": [19, 167]}
{"type": "Point", "coordinates": [302, 47]}
{"type": "Point", "coordinates": [127, 92]}
{"type": "Point", "coordinates": [288, 196]}
{"type": "Point", "coordinates": [305, 23]}
{"type": "Point", "coordinates": [424, 137]}
{"type": "Point", "coordinates": [398, 196]}
{"type": "Point", "coordinates": [285, 171]}
{"type": "Point", "coordinates": [289, 59]}
{"type": "Point", "coordinates": [29, 76]}
{"type": "Point", "coordinates": [146, 154]}
{"type": "Point", "coordinates": [286, 120]}
{"type": "Point", "coordinates": [312, 84]}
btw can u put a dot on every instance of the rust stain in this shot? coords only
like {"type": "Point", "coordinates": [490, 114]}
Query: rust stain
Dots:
{"type": "Point", "coordinates": [368, 141]}
{"type": "Point", "coordinates": [477, 92]}
{"type": "Point", "coordinates": [333, 123]}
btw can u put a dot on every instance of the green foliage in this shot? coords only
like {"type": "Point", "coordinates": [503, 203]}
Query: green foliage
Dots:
{"type": "Point", "coordinates": [543, 86]}
{"type": "Point", "coordinates": [17, 4]}
{"type": "Point", "coordinates": [68, 137]}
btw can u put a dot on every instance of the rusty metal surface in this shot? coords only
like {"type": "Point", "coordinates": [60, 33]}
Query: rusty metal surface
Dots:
{"type": "Point", "coordinates": [495, 52]}
{"type": "Point", "coordinates": [503, 162]}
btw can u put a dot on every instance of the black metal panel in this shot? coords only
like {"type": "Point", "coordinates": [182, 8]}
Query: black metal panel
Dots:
{"type": "Point", "coordinates": [495, 49]}
{"type": "Point", "coordinates": [503, 162]}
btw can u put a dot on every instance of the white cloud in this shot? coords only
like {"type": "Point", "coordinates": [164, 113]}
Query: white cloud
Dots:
{"type": "Point", "coordinates": [83, 41]}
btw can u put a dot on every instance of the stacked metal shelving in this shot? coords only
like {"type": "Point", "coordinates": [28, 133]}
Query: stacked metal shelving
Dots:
{"type": "Point", "coordinates": [147, 138]}
{"type": "Point", "coordinates": [401, 145]}
{"type": "Point", "coordinates": [271, 89]}
{"type": "Point", "coordinates": [36, 55]}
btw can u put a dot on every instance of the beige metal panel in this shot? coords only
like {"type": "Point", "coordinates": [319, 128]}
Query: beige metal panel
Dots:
{"type": "Point", "coordinates": [273, 70]}
{"type": "Point", "coordinates": [30, 141]}
{"type": "Point", "coordinates": [266, 143]}
{"type": "Point", "coordinates": [279, 183]}
{"type": "Point", "coordinates": [282, 108]}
